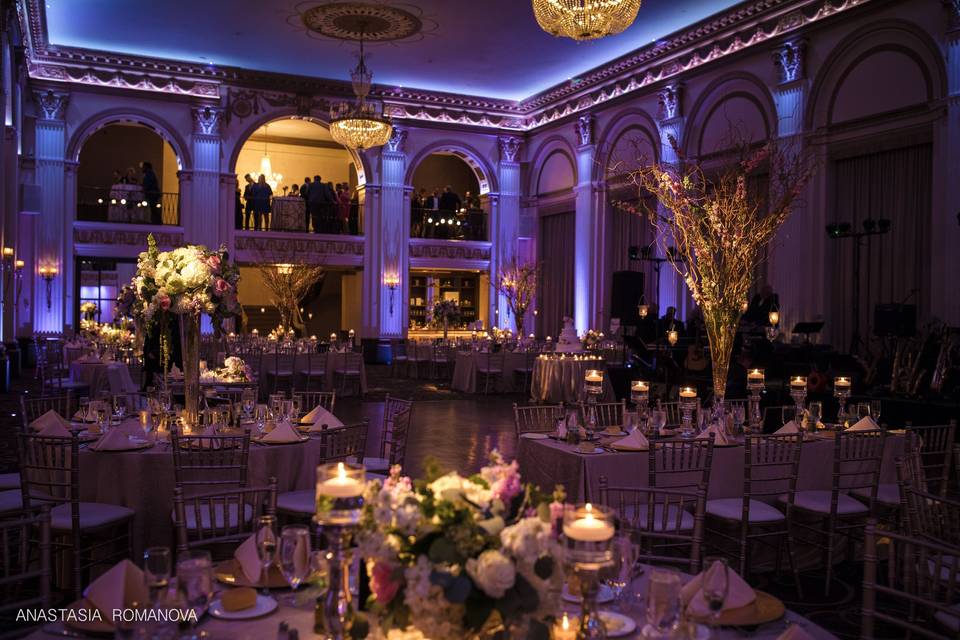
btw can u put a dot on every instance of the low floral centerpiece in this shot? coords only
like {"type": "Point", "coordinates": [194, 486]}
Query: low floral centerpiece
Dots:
{"type": "Point", "coordinates": [234, 370]}
{"type": "Point", "coordinates": [450, 556]}
{"type": "Point", "coordinates": [591, 339]}
{"type": "Point", "coordinates": [444, 313]}
{"type": "Point", "coordinates": [88, 310]}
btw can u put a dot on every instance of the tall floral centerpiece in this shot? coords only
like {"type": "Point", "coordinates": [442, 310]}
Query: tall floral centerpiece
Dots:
{"type": "Point", "coordinates": [518, 285]}
{"type": "Point", "coordinates": [460, 557]}
{"type": "Point", "coordinates": [445, 312]}
{"type": "Point", "coordinates": [185, 282]}
{"type": "Point", "coordinates": [720, 228]}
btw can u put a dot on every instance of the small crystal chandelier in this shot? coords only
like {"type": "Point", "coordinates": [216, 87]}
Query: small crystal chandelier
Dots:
{"type": "Point", "coordinates": [585, 19]}
{"type": "Point", "coordinates": [266, 166]}
{"type": "Point", "coordinates": [361, 125]}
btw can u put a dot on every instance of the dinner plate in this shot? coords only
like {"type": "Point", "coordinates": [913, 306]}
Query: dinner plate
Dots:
{"type": "Point", "coordinates": [617, 624]}
{"type": "Point", "coordinates": [766, 608]}
{"type": "Point", "coordinates": [613, 434]}
{"type": "Point", "coordinates": [535, 436]}
{"type": "Point", "coordinates": [269, 442]}
{"type": "Point", "coordinates": [577, 449]}
{"type": "Point", "coordinates": [135, 445]}
{"type": "Point", "coordinates": [622, 447]}
{"type": "Point", "coordinates": [229, 572]}
{"type": "Point", "coordinates": [265, 605]}
{"type": "Point", "coordinates": [604, 595]}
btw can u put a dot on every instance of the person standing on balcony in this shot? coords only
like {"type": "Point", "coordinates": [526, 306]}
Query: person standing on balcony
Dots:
{"type": "Point", "coordinates": [151, 192]}
{"type": "Point", "coordinates": [248, 200]}
{"type": "Point", "coordinates": [304, 188]}
{"type": "Point", "coordinates": [343, 207]}
{"type": "Point", "coordinates": [261, 193]}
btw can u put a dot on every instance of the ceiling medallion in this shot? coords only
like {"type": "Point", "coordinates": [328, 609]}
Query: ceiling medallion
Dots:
{"type": "Point", "coordinates": [585, 19]}
{"type": "Point", "coordinates": [370, 21]}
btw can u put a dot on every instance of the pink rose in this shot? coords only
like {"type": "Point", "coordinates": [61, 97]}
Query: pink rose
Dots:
{"type": "Point", "coordinates": [507, 487]}
{"type": "Point", "coordinates": [213, 261]}
{"type": "Point", "coordinates": [164, 301]}
{"type": "Point", "coordinates": [384, 583]}
{"type": "Point", "coordinates": [221, 286]}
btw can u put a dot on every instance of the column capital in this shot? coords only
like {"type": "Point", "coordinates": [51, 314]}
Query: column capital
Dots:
{"type": "Point", "coordinates": [789, 60]}
{"type": "Point", "coordinates": [669, 100]}
{"type": "Point", "coordinates": [206, 120]}
{"type": "Point", "coordinates": [53, 104]}
{"type": "Point", "coordinates": [398, 140]}
{"type": "Point", "coordinates": [584, 129]}
{"type": "Point", "coordinates": [509, 148]}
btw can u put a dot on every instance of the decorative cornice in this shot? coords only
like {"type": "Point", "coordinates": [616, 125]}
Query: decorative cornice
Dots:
{"type": "Point", "coordinates": [112, 236]}
{"type": "Point", "coordinates": [732, 32]}
{"type": "Point", "coordinates": [53, 104]}
{"type": "Point", "coordinates": [301, 245]}
{"type": "Point", "coordinates": [449, 250]}
{"type": "Point", "coordinates": [509, 148]}
{"type": "Point", "coordinates": [206, 120]}
{"type": "Point", "coordinates": [584, 129]}
{"type": "Point", "coordinates": [669, 100]}
{"type": "Point", "coordinates": [789, 60]}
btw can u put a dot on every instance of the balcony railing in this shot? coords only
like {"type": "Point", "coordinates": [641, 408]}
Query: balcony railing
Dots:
{"type": "Point", "coordinates": [127, 204]}
{"type": "Point", "coordinates": [290, 213]}
{"type": "Point", "coordinates": [465, 224]}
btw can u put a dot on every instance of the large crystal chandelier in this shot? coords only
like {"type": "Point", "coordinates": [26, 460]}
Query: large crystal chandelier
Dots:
{"type": "Point", "coordinates": [585, 19]}
{"type": "Point", "coordinates": [361, 125]}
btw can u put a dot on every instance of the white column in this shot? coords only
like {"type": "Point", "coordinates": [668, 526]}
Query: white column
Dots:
{"type": "Point", "coordinates": [202, 222]}
{"type": "Point", "coordinates": [53, 231]}
{"type": "Point", "coordinates": [9, 197]}
{"type": "Point", "coordinates": [672, 290]}
{"type": "Point", "coordinates": [505, 227]}
{"type": "Point", "coordinates": [945, 227]}
{"type": "Point", "coordinates": [387, 231]}
{"type": "Point", "coordinates": [585, 254]}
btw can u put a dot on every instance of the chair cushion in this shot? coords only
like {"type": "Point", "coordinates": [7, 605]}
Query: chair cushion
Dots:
{"type": "Point", "coordinates": [489, 371]}
{"type": "Point", "coordinates": [640, 518]}
{"type": "Point", "coordinates": [732, 509]}
{"type": "Point", "coordinates": [313, 372]}
{"type": "Point", "coordinates": [9, 481]}
{"type": "Point", "coordinates": [92, 515]}
{"type": "Point", "coordinates": [818, 501]}
{"type": "Point", "coordinates": [376, 465]}
{"type": "Point", "coordinates": [303, 502]}
{"type": "Point", "coordinates": [888, 493]}
{"type": "Point", "coordinates": [347, 372]}
{"type": "Point", "coordinates": [11, 500]}
{"type": "Point", "coordinates": [282, 373]}
{"type": "Point", "coordinates": [191, 516]}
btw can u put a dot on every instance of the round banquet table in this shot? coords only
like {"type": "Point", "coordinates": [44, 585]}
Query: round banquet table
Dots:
{"type": "Point", "coordinates": [143, 480]}
{"type": "Point", "coordinates": [559, 379]}
{"type": "Point", "coordinates": [467, 362]}
{"type": "Point", "coordinates": [102, 375]}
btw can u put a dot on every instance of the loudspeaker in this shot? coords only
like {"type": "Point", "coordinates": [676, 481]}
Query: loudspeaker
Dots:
{"type": "Point", "coordinates": [898, 320]}
{"type": "Point", "coordinates": [626, 294]}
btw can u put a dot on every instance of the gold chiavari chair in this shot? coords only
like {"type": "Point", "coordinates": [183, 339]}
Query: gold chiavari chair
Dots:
{"type": "Point", "coordinates": [391, 407]}
{"type": "Point", "coordinates": [525, 371]}
{"type": "Point", "coordinates": [50, 473]}
{"type": "Point", "coordinates": [609, 414]}
{"type": "Point", "coordinates": [311, 399]}
{"type": "Point", "coordinates": [538, 418]}
{"type": "Point", "coordinates": [674, 414]}
{"type": "Point", "coordinates": [770, 467]}
{"type": "Point", "coordinates": [928, 515]}
{"type": "Point", "coordinates": [213, 519]}
{"type": "Point", "coordinates": [201, 462]}
{"type": "Point", "coordinates": [350, 372]}
{"type": "Point", "coordinates": [683, 464]}
{"type": "Point", "coordinates": [489, 369]}
{"type": "Point", "coordinates": [442, 361]}
{"type": "Point", "coordinates": [924, 579]}
{"type": "Point", "coordinates": [418, 356]}
{"type": "Point", "coordinates": [312, 371]}
{"type": "Point", "coordinates": [935, 443]}
{"type": "Point", "coordinates": [25, 569]}
{"type": "Point", "coordinates": [396, 445]}
{"type": "Point", "coordinates": [32, 408]}
{"type": "Point", "coordinates": [282, 364]}
{"type": "Point", "coordinates": [399, 361]}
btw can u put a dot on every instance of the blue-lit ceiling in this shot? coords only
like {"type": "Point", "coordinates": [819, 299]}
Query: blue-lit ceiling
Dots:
{"type": "Point", "coordinates": [491, 48]}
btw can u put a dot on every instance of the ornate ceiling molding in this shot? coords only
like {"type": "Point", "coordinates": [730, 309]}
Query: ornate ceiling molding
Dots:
{"type": "Point", "coordinates": [743, 27]}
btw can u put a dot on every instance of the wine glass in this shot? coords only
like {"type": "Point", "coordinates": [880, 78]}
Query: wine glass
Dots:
{"type": "Point", "coordinates": [863, 410]}
{"type": "Point", "coordinates": [266, 547]}
{"type": "Point", "coordinates": [663, 603]}
{"type": "Point", "coordinates": [295, 556]}
{"type": "Point", "coordinates": [119, 407]}
{"type": "Point", "coordinates": [84, 408]}
{"type": "Point", "coordinates": [875, 407]}
{"type": "Point", "coordinates": [659, 420]}
{"type": "Point", "coordinates": [624, 557]}
{"type": "Point", "coordinates": [297, 406]}
{"type": "Point", "coordinates": [815, 410]}
{"type": "Point", "coordinates": [715, 585]}
{"type": "Point", "coordinates": [248, 399]}
{"type": "Point", "coordinates": [788, 413]}
{"type": "Point", "coordinates": [286, 410]}
{"type": "Point", "coordinates": [195, 582]}
{"type": "Point", "coordinates": [166, 400]}
{"type": "Point", "coordinates": [156, 572]}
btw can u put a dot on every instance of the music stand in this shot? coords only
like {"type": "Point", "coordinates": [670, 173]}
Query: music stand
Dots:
{"type": "Point", "coordinates": [806, 328]}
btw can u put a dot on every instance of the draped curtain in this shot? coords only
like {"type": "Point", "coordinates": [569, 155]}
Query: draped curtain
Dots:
{"type": "Point", "coordinates": [632, 230]}
{"type": "Point", "coordinates": [894, 184]}
{"type": "Point", "coordinates": [556, 248]}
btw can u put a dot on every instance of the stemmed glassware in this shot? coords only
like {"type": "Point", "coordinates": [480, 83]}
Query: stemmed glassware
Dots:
{"type": "Point", "coordinates": [248, 399]}
{"type": "Point", "coordinates": [815, 411]}
{"type": "Point", "coordinates": [266, 538]}
{"type": "Point", "coordinates": [295, 556]}
{"type": "Point", "coordinates": [195, 582]}
{"type": "Point", "coordinates": [166, 400]}
{"type": "Point", "coordinates": [663, 603]}
{"type": "Point", "coordinates": [659, 420]}
{"type": "Point", "coordinates": [788, 413]}
{"type": "Point", "coordinates": [875, 407]}
{"type": "Point", "coordinates": [156, 572]}
{"type": "Point", "coordinates": [715, 585]}
{"type": "Point", "coordinates": [624, 557]}
{"type": "Point", "coordinates": [119, 407]}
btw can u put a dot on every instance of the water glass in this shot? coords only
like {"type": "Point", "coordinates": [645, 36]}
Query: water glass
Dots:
{"type": "Point", "coordinates": [297, 406]}
{"type": "Point", "coordinates": [624, 557]}
{"type": "Point", "coordinates": [166, 400]}
{"type": "Point", "coordinates": [295, 556]}
{"type": "Point", "coordinates": [248, 398]}
{"type": "Point", "coordinates": [663, 603]}
{"type": "Point", "coordinates": [119, 406]}
{"type": "Point", "coordinates": [815, 409]}
{"type": "Point", "coordinates": [787, 414]}
{"type": "Point", "coordinates": [659, 419]}
{"type": "Point", "coordinates": [156, 572]}
{"type": "Point", "coordinates": [715, 585]}
{"type": "Point", "coordinates": [266, 538]}
{"type": "Point", "coordinates": [286, 410]}
{"type": "Point", "coordinates": [195, 580]}
{"type": "Point", "coordinates": [863, 410]}
{"type": "Point", "coordinates": [875, 408]}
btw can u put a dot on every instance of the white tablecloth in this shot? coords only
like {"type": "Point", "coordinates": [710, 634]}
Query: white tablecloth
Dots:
{"type": "Point", "coordinates": [102, 376]}
{"type": "Point", "coordinates": [128, 211]}
{"type": "Point", "coordinates": [560, 379]}
{"type": "Point", "coordinates": [465, 371]}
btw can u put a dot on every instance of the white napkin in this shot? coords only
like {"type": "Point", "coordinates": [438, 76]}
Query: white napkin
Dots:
{"type": "Point", "coordinates": [739, 594]}
{"type": "Point", "coordinates": [115, 440]}
{"type": "Point", "coordinates": [720, 435]}
{"type": "Point", "coordinates": [636, 441]}
{"type": "Point", "coordinates": [282, 433]}
{"type": "Point", "coordinates": [118, 588]}
{"type": "Point", "coordinates": [562, 430]}
{"type": "Point", "coordinates": [51, 425]}
{"type": "Point", "coordinates": [249, 560]}
{"type": "Point", "coordinates": [320, 416]}
{"type": "Point", "coordinates": [787, 429]}
{"type": "Point", "coordinates": [864, 424]}
{"type": "Point", "coordinates": [794, 632]}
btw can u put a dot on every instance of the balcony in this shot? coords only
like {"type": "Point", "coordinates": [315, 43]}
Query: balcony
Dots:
{"type": "Point", "coordinates": [465, 224]}
{"type": "Point", "coordinates": [127, 204]}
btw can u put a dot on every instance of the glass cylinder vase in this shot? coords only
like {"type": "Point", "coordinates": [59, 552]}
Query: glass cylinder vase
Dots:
{"type": "Point", "coordinates": [190, 347]}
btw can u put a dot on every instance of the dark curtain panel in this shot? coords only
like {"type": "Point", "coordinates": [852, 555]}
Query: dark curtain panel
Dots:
{"type": "Point", "coordinates": [894, 267]}
{"type": "Point", "coordinates": [556, 272]}
{"type": "Point", "coordinates": [632, 230]}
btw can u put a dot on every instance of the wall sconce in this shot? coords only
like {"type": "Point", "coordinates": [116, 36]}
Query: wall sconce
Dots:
{"type": "Point", "coordinates": [392, 281]}
{"type": "Point", "coordinates": [774, 318]}
{"type": "Point", "coordinates": [12, 275]}
{"type": "Point", "coordinates": [643, 310]}
{"type": "Point", "coordinates": [48, 274]}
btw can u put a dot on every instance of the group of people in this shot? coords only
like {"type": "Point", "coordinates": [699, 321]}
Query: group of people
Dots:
{"type": "Point", "coordinates": [329, 207]}
{"type": "Point", "coordinates": [149, 190]}
{"type": "Point", "coordinates": [443, 214]}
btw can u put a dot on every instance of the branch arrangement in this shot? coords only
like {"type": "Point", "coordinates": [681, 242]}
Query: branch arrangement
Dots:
{"type": "Point", "coordinates": [518, 285]}
{"type": "Point", "coordinates": [289, 283]}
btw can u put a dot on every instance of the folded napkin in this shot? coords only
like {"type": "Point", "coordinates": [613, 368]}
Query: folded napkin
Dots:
{"type": "Point", "coordinates": [739, 594]}
{"type": "Point", "coordinates": [720, 434]}
{"type": "Point", "coordinates": [175, 372]}
{"type": "Point", "coordinates": [562, 430]}
{"type": "Point", "coordinates": [51, 425]}
{"type": "Point", "coordinates": [283, 432]}
{"type": "Point", "coordinates": [114, 440]}
{"type": "Point", "coordinates": [864, 424]}
{"type": "Point", "coordinates": [795, 632]}
{"type": "Point", "coordinates": [118, 588]}
{"type": "Point", "coordinates": [787, 429]}
{"type": "Point", "coordinates": [635, 440]}
{"type": "Point", "coordinates": [249, 560]}
{"type": "Point", "coordinates": [320, 416]}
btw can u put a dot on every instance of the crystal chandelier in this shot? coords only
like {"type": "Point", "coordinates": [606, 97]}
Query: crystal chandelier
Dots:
{"type": "Point", "coordinates": [585, 19]}
{"type": "Point", "coordinates": [361, 125]}
{"type": "Point", "coordinates": [266, 166]}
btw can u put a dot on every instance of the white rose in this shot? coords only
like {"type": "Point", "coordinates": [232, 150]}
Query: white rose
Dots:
{"type": "Point", "coordinates": [527, 539]}
{"type": "Point", "coordinates": [195, 274]}
{"type": "Point", "coordinates": [493, 572]}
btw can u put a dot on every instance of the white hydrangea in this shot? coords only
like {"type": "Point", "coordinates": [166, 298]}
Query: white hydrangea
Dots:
{"type": "Point", "coordinates": [493, 572]}
{"type": "Point", "coordinates": [527, 540]}
{"type": "Point", "coordinates": [453, 486]}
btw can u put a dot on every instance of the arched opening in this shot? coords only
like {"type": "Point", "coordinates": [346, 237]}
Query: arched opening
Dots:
{"type": "Point", "coordinates": [449, 198]}
{"type": "Point", "coordinates": [309, 182]}
{"type": "Point", "coordinates": [127, 172]}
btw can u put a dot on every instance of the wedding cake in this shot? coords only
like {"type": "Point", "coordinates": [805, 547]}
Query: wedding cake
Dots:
{"type": "Point", "coordinates": [569, 341]}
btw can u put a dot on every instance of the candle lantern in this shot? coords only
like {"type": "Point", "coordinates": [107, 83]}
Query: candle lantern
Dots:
{"type": "Point", "coordinates": [798, 391]}
{"type": "Point", "coordinates": [688, 402]}
{"type": "Point", "coordinates": [339, 499]}
{"type": "Point", "coordinates": [593, 382]}
{"type": "Point", "coordinates": [842, 386]}
{"type": "Point", "coordinates": [774, 318]}
{"type": "Point", "coordinates": [643, 310]}
{"type": "Point", "coordinates": [756, 382]}
{"type": "Point", "coordinates": [588, 531]}
{"type": "Point", "coordinates": [640, 396]}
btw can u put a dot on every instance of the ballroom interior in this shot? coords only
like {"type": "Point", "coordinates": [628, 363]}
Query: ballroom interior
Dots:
{"type": "Point", "coordinates": [588, 236]}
